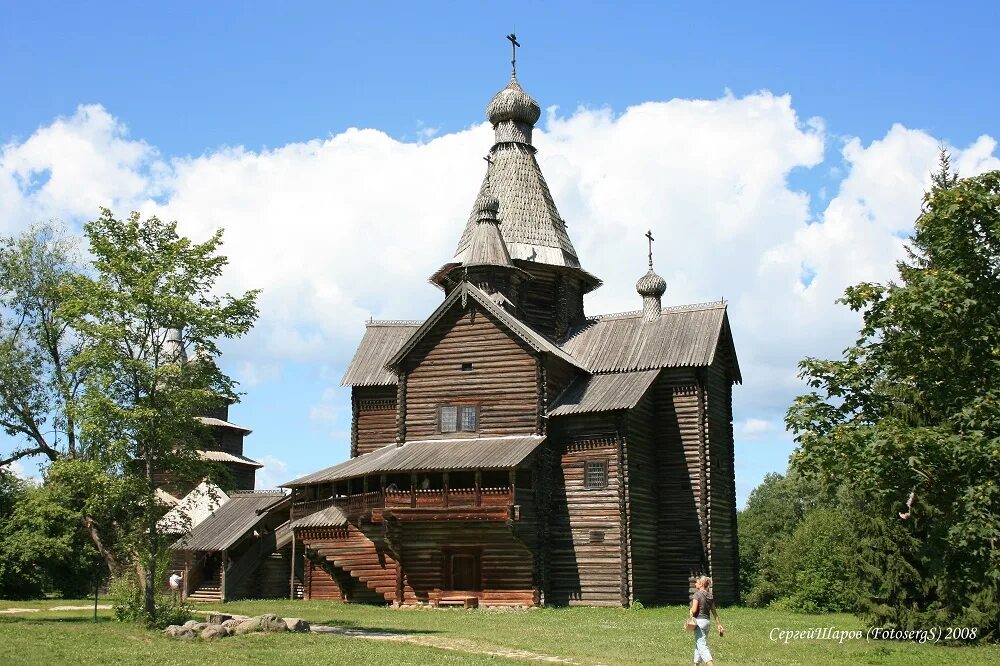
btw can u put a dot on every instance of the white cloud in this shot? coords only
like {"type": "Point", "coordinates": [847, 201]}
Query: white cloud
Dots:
{"type": "Point", "coordinates": [339, 229]}
{"type": "Point", "coordinates": [274, 472]}
{"type": "Point", "coordinates": [753, 428]}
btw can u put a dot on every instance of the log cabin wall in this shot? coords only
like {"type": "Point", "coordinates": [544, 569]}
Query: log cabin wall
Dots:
{"type": "Point", "coordinates": [502, 379]}
{"type": "Point", "coordinates": [724, 556]}
{"type": "Point", "coordinates": [551, 301]}
{"type": "Point", "coordinates": [585, 525]}
{"type": "Point", "coordinates": [505, 562]}
{"type": "Point", "coordinates": [373, 423]}
{"type": "Point", "coordinates": [677, 397]}
{"type": "Point", "coordinates": [558, 376]}
{"type": "Point", "coordinates": [644, 490]}
{"type": "Point", "coordinates": [319, 584]}
{"type": "Point", "coordinates": [242, 477]}
{"type": "Point", "coordinates": [228, 440]}
{"type": "Point", "coordinates": [348, 563]}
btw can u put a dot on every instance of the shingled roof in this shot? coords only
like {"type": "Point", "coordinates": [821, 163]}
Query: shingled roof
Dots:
{"type": "Point", "coordinates": [685, 336]}
{"type": "Point", "coordinates": [231, 521]}
{"type": "Point", "coordinates": [430, 454]}
{"type": "Point", "coordinates": [381, 341]}
{"type": "Point", "coordinates": [604, 393]}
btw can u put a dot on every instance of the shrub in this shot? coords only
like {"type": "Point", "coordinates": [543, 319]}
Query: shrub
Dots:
{"type": "Point", "coordinates": [126, 592]}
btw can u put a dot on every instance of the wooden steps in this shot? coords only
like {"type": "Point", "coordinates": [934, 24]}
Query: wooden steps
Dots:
{"type": "Point", "coordinates": [211, 592]}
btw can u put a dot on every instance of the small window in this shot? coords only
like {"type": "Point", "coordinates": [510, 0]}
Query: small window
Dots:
{"type": "Point", "coordinates": [454, 418]}
{"type": "Point", "coordinates": [466, 367]}
{"type": "Point", "coordinates": [448, 419]}
{"type": "Point", "coordinates": [596, 536]}
{"type": "Point", "coordinates": [596, 474]}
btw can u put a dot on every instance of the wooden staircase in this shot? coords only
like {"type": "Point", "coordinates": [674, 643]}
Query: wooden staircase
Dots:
{"type": "Point", "coordinates": [208, 591]}
{"type": "Point", "coordinates": [358, 556]}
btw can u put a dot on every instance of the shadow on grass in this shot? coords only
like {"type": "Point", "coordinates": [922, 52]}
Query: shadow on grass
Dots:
{"type": "Point", "coordinates": [33, 618]}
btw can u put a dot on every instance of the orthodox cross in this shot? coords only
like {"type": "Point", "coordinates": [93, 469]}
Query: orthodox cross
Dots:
{"type": "Point", "coordinates": [513, 52]}
{"type": "Point", "coordinates": [489, 161]}
{"type": "Point", "coordinates": [649, 235]}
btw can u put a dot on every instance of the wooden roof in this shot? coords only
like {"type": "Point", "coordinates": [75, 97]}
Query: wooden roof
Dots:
{"type": "Point", "coordinates": [604, 393]}
{"type": "Point", "coordinates": [430, 455]}
{"type": "Point", "coordinates": [231, 521]}
{"type": "Point", "coordinates": [685, 336]}
{"type": "Point", "coordinates": [381, 340]}
{"type": "Point", "coordinates": [219, 423]}
{"type": "Point", "coordinates": [331, 516]}
{"type": "Point", "coordinates": [224, 456]}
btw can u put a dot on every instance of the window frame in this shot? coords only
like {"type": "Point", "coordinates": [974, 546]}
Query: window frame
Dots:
{"type": "Point", "coordinates": [587, 485]}
{"type": "Point", "coordinates": [460, 411]}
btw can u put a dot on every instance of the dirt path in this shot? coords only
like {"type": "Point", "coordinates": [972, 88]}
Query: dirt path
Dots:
{"type": "Point", "coordinates": [454, 644]}
{"type": "Point", "coordinates": [12, 611]}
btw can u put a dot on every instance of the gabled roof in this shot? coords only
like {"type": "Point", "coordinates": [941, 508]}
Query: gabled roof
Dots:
{"type": "Point", "coordinates": [428, 455]}
{"type": "Point", "coordinates": [382, 339]}
{"type": "Point", "coordinates": [685, 336]}
{"type": "Point", "coordinates": [231, 521]}
{"type": "Point", "coordinates": [604, 393]}
{"type": "Point", "coordinates": [531, 337]}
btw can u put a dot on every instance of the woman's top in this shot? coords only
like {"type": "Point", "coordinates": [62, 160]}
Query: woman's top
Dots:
{"type": "Point", "coordinates": [705, 603]}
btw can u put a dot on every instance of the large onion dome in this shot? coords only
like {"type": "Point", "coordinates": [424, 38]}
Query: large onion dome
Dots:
{"type": "Point", "coordinates": [512, 103]}
{"type": "Point", "coordinates": [651, 284]}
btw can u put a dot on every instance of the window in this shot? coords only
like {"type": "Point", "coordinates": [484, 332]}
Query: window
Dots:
{"type": "Point", "coordinates": [466, 367]}
{"type": "Point", "coordinates": [595, 474]}
{"type": "Point", "coordinates": [455, 418]}
{"type": "Point", "coordinates": [596, 536]}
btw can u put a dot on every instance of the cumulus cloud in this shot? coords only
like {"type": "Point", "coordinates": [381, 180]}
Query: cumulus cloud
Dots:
{"type": "Point", "coordinates": [347, 227]}
{"type": "Point", "coordinates": [273, 472]}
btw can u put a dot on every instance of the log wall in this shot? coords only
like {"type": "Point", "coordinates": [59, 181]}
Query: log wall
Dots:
{"type": "Point", "coordinates": [505, 562]}
{"type": "Point", "coordinates": [723, 552]}
{"type": "Point", "coordinates": [373, 418]}
{"type": "Point", "coordinates": [551, 300]}
{"type": "Point", "coordinates": [644, 491]}
{"type": "Point", "coordinates": [503, 379]}
{"type": "Point", "coordinates": [585, 563]}
{"type": "Point", "coordinates": [678, 425]}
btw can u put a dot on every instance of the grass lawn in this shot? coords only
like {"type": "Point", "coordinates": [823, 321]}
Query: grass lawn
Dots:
{"type": "Point", "coordinates": [584, 635]}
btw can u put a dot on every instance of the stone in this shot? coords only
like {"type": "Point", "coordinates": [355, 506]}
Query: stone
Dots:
{"type": "Point", "coordinates": [179, 631]}
{"type": "Point", "coordinates": [271, 622]}
{"type": "Point", "coordinates": [190, 623]}
{"type": "Point", "coordinates": [213, 632]}
{"type": "Point", "coordinates": [248, 626]}
{"type": "Point", "coordinates": [198, 626]}
{"type": "Point", "coordinates": [232, 624]}
{"type": "Point", "coordinates": [296, 624]}
{"type": "Point", "coordinates": [217, 618]}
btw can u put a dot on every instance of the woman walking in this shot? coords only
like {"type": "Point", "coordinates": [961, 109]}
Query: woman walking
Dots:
{"type": "Point", "coordinates": [702, 607]}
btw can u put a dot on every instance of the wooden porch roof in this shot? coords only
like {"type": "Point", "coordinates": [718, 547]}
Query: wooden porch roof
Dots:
{"type": "Point", "coordinates": [430, 455]}
{"type": "Point", "coordinates": [231, 521]}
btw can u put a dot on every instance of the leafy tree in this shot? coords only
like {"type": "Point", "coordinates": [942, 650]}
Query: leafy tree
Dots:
{"type": "Point", "coordinates": [910, 416]}
{"type": "Point", "coordinates": [149, 303]}
{"type": "Point", "coordinates": [37, 346]}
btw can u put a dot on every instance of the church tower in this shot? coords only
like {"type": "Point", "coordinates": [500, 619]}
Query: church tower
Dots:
{"type": "Point", "coordinates": [550, 296]}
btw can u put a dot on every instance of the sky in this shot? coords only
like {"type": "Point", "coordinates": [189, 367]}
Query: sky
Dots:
{"type": "Point", "coordinates": [778, 152]}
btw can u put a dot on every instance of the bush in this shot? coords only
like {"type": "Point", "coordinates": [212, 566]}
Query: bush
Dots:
{"type": "Point", "coordinates": [127, 602]}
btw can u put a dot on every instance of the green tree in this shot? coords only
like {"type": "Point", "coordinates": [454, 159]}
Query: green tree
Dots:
{"type": "Point", "coordinates": [149, 303]}
{"type": "Point", "coordinates": [910, 416]}
{"type": "Point", "coordinates": [37, 346]}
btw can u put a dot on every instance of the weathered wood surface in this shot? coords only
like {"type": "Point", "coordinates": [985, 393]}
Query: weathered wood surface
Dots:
{"type": "Point", "coordinates": [502, 379]}
{"type": "Point", "coordinates": [723, 553]}
{"type": "Point", "coordinates": [374, 420]}
{"type": "Point", "coordinates": [585, 531]}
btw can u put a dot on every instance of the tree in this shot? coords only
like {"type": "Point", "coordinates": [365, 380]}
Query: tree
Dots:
{"type": "Point", "coordinates": [148, 306]}
{"type": "Point", "coordinates": [37, 347]}
{"type": "Point", "coordinates": [910, 416]}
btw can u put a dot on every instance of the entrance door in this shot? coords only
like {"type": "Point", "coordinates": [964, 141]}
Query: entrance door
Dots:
{"type": "Point", "coordinates": [464, 571]}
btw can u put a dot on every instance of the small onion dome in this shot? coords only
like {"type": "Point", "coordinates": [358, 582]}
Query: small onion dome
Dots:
{"type": "Point", "coordinates": [651, 284]}
{"type": "Point", "coordinates": [512, 103]}
{"type": "Point", "coordinates": [487, 206]}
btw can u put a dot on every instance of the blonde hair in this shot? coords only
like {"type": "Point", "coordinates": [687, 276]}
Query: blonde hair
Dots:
{"type": "Point", "coordinates": [703, 582]}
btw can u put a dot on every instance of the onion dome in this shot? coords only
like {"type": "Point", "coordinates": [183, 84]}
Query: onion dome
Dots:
{"type": "Point", "coordinates": [651, 284]}
{"type": "Point", "coordinates": [512, 103]}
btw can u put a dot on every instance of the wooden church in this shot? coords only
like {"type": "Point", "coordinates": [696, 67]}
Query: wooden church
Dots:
{"type": "Point", "coordinates": [512, 449]}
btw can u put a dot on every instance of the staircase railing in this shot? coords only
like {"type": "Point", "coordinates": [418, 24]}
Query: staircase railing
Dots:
{"type": "Point", "coordinates": [239, 570]}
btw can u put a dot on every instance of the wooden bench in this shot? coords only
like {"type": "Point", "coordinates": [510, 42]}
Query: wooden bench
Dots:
{"type": "Point", "coordinates": [464, 602]}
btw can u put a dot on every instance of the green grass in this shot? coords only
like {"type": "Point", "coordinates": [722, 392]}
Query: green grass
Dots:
{"type": "Point", "coordinates": [586, 635]}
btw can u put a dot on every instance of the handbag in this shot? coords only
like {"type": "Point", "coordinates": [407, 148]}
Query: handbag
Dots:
{"type": "Point", "coordinates": [690, 624]}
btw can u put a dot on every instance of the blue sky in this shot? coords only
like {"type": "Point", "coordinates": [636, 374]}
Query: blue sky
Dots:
{"type": "Point", "coordinates": [835, 111]}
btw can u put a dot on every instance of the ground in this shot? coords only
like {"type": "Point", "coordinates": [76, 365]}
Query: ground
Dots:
{"type": "Point", "coordinates": [567, 635]}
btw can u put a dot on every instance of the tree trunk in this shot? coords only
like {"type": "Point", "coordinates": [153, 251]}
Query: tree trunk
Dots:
{"type": "Point", "coordinates": [95, 536]}
{"type": "Point", "coordinates": [149, 598]}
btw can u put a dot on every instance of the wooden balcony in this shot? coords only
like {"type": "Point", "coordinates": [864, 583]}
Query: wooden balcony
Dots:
{"type": "Point", "coordinates": [470, 503]}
